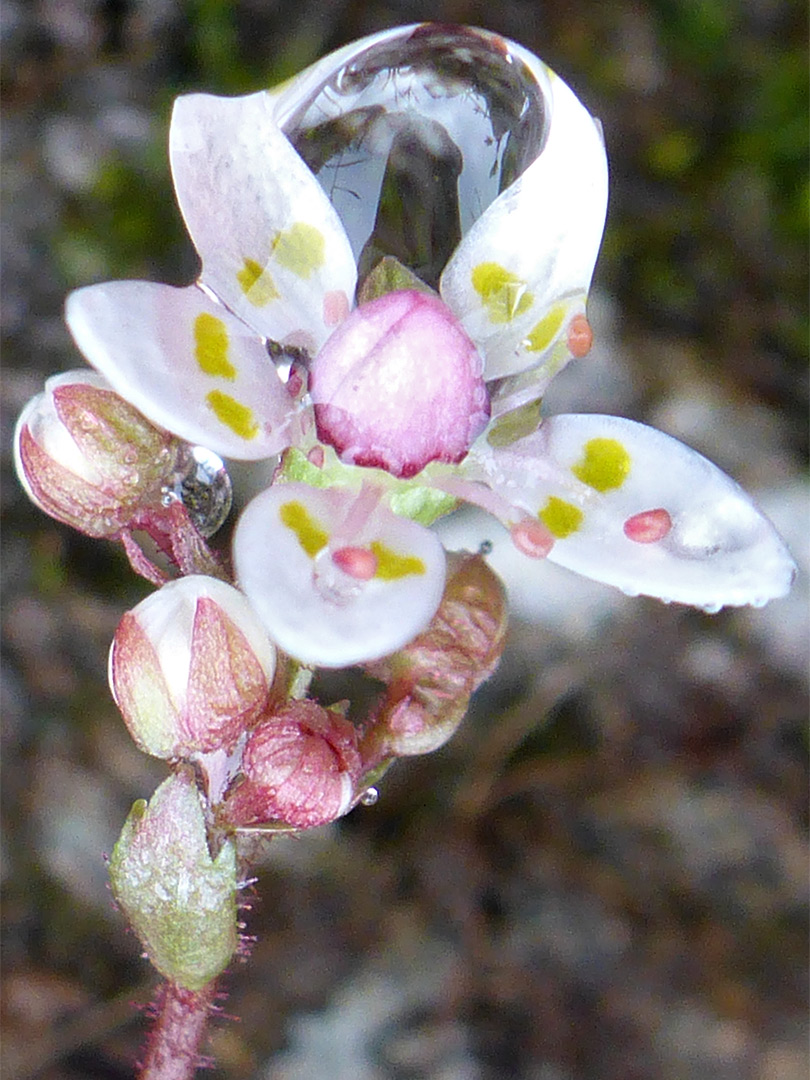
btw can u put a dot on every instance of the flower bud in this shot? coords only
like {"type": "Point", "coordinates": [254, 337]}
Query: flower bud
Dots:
{"type": "Point", "coordinates": [191, 668]}
{"type": "Point", "coordinates": [399, 385]}
{"type": "Point", "coordinates": [431, 680]}
{"type": "Point", "coordinates": [87, 457]}
{"type": "Point", "coordinates": [179, 901]}
{"type": "Point", "coordinates": [300, 766]}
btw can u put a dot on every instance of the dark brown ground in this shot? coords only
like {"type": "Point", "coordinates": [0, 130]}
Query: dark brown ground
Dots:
{"type": "Point", "coordinates": [604, 876]}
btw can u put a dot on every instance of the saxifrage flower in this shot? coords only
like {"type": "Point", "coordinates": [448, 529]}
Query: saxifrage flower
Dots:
{"type": "Point", "coordinates": [396, 251]}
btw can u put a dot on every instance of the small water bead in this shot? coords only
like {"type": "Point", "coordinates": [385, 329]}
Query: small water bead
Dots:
{"type": "Point", "coordinates": [416, 136]}
{"type": "Point", "coordinates": [369, 797]}
{"type": "Point", "coordinates": [201, 482]}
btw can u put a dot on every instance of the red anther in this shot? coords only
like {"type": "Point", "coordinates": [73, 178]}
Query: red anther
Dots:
{"type": "Point", "coordinates": [335, 307]}
{"type": "Point", "coordinates": [316, 457]}
{"type": "Point", "coordinates": [532, 538]}
{"type": "Point", "coordinates": [648, 526]}
{"type": "Point", "coordinates": [357, 562]}
{"type": "Point", "coordinates": [580, 336]}
{"type": "Point", "coordinates": [295, 383]}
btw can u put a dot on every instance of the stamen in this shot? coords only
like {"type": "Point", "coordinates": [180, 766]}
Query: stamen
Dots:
{"type": "Point", "coordinates": [648, 526]}
{"type": "Point", "coordinates": [531, 538]}
{"type": "Point", "coordinates": [580, 336]}
{"type": "Point", "coordinates": [358, 562]}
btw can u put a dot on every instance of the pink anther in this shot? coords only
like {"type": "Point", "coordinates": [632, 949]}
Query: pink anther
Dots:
{"type": "Point", "coordinates": [335, 307]}
{"type": "Point", "coordinates": [316, 457]}
{"type": "Point", "coordinates": [357, 562]}
{"type": "Point", "coordinates": [648, 526]}
{"type": "Point", "coordinates": [532, 538]}
{"type": "Point", "coordinates": [580, 336]}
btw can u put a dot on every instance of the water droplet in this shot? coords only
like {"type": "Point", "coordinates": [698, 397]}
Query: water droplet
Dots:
{"type": "Point", "coordinates": [416, 136]}
{"type": "Point", "coordinates": [369, 797]}
{"type": "Point", "coordinates": [202, 484]}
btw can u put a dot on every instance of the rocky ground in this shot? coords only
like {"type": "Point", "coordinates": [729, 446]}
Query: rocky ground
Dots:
{"type": "Point", "coordinates": [604, 876]}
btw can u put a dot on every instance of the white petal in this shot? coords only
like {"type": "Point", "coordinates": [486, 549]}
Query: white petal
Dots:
{"type": "Point", "coordinates": [271, 244]}
{"type": "Point", "coordinates": [586, 476]}
{"type": "Point", "coordinates": [284, 553]}
{"type": "Point", "coordinates": [523, 271]}
{"type": "Point", "coordinates": [186, 363]}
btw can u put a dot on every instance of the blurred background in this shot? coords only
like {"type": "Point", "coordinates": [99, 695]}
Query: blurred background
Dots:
{"type": "Point", "coordinates": [604, 875]}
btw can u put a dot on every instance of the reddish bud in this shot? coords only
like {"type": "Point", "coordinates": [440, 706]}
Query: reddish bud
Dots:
{"type": "Point", "coordinates": [299, 766]}
{"type": "Point", "coordinates": [191, 668]}
{"type": "Point", "coordinates": [88, 458]}
{"type": "Point", "coordinates": [431, 680]}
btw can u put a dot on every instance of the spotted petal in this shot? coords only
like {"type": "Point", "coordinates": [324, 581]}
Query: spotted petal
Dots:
{"type": "Point", "coordinates": [635, 508]}
{"type": "Point", "coordinates": [272, 246]}
{"type": "Point", "coordinates": [186, 363]}
{"type": "Point", "coordinates": [520, 276]}
{"type": "Point", "coordinates": [336, 578]}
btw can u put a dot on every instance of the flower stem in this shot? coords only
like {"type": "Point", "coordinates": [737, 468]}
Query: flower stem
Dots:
{"type": "Point", "coordinates": [172, 1052]}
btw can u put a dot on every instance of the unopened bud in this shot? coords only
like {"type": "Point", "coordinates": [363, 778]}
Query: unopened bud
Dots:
{"type": "Point", "coordinates": [88, 458]}
{"type": "Point", "coordinates": [191, 668]}
{"type": "Point", "coordinates": [179, 900]}
{"type": "Point", "coordinates": [431, 680]}
{"type": "Point", "coordinates": [300, 767]}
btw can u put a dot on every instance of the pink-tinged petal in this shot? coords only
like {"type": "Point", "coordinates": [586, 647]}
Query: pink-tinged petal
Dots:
{"type": "Point", "coordinates": [272, 246]}
{"type": "Point", "coordinates": [519, 278]}
{"type": "Point", "coordinates": [635, 508]}
{"type": "Point", "coordinates": [284, 553]}
{"type": "Point", "coordinates": [399, 385]}
{"type": "Point", "coordinates": [186, 363]}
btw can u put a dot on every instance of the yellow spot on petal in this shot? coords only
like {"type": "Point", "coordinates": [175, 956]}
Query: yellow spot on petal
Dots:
{"type": "Point", "coordinates": [211, 346]}
{"type": "Point", "coordinates": [391, 566]}
{"type": "Point", "coordinates": [300, 249]}
{"type": "Point", "coordinates": [233, 414]}
{"type": "Point", "coordinates": [309, 533]}
{"type": "Point", "coordinates": [561, 518]}
{"type": "Point", "coordinates": [503, 294]}
{"type": "Point", "coordinates": [604, 465]}
{"type": "Point", "coordinates": [257, 285]}
{"type": "Point", "coordinates": [543, 333]}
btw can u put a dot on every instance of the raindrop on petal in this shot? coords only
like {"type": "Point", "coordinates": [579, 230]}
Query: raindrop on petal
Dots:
{"type": "Point", "coordinates": [416, 135]}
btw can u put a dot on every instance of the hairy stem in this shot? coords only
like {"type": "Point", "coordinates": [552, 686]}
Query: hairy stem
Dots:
{"type": "Point", "coordinates": [172, 1052]}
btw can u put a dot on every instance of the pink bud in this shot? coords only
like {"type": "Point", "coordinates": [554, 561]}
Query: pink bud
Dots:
{"type": "Point", "coordinates": [300, 767]}
{"type": "Point", "coordinates": [87, 457]}
{"type": "Point", "coordinates": [431, 680]}
{"type": "Point", "coordinates": [191, 668]}
{"type": "Point", "coordinates": [399, 384]}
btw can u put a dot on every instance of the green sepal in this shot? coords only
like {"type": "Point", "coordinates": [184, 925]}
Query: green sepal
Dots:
{"type": "Point", "coordinates": [179, 900]}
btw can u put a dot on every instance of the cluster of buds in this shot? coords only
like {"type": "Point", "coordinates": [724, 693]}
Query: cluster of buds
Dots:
{"type": "Point", "coordinates": [396, 252]}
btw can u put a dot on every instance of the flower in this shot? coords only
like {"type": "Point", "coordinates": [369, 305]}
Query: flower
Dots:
{"type": "Point", "coordinates": [448, 180]}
